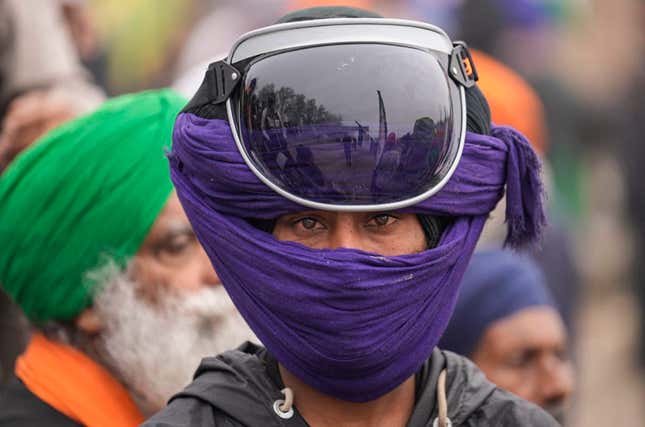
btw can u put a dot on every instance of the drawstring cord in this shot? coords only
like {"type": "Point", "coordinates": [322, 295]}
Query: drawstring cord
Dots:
{"type": "Point", "coordinates": [442, 403]}
{"type": "Point", "coordinates": [288, 399]}
{"type": "Point", "coordinates": [284, 407]}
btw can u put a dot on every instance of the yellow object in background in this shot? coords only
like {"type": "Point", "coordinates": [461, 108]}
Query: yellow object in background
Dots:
{"type": "Point", "coordinates": [141, 38]}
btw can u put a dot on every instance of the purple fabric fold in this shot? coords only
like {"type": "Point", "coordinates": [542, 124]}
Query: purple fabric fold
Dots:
{"type": "Point", "coordinates": [525, 215]}
{"type": "Point", "coordinates": [349, 323]}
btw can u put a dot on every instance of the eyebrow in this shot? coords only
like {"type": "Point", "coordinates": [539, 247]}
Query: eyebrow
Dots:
{"type": "Point", "coordinates": [178, 227]}
{"type": "Point", "coordinates": [174, 230]}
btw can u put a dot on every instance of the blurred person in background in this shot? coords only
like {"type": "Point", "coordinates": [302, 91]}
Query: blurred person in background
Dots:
{"type": "Point", "coordinates": [37, 51]}
{"type": "Point", "coordinates": [42, 80]}
{"type": "Point", "coordinates": [42, 84]}
{"type": "Point", "coordinates": [506, 322]}
{"type": "Point", "coordinates": [632, 146]}
{"type": "Point", "coordinates": [512, 100]}
{"type": "Point", "coordinates": [81, 24]}
{"type": "Point", "coordinates": [101, 258]}
{"type": "Point", "coordinates": [515, 103]}
{"type": "Point", "coordinates": [591, 111]}
{"type": "Point", "coordinates": [522, 34]}
{"type": "Point", "coordinates": [29, 117]}
{"type": "Point", "coordinates": [490, 27]}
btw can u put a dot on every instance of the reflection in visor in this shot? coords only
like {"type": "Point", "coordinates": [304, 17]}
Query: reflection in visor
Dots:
{"type": "Point", "coordinates": [355, 132]}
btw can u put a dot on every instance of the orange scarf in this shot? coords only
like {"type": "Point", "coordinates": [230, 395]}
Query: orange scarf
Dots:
{"type": "Point", "coordinates": [75, 385]}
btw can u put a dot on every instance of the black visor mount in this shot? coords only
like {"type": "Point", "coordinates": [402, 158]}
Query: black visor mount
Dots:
{"type": "Point", "coordinates": [462, 67]}
{"type": "Point", "coordinates": [221, 80]}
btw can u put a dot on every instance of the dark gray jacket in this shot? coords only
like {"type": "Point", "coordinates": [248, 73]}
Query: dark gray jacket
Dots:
{"type": "Point", "coordinates": [19, 407]}
{"type": "Point", "coordinates": [239, 388]}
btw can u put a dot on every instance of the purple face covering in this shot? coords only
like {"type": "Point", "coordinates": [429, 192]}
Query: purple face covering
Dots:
{"type": "Point", "coordinates": [351, 324]}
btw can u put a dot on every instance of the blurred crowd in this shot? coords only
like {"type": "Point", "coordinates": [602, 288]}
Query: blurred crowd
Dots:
{"type": "Point", "coordinates": [566, 326]}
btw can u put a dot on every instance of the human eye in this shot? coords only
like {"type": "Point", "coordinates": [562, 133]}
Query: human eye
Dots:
{"type": "Point", "coordinates": [562, 354]}
{"type": "Point", "coordinates": [307, 224]}
{"type": "Point", "coordinates": [520, 359]}
{"type": "Point", "coordinates": [302, 226]}
{"type": "Point", "coordinates": [176, 244]}
{"type": "Point", "coordinates": [382, 220]}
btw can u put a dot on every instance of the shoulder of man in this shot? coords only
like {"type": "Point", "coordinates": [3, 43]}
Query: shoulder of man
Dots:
{"type": "Point", "coordinates": [19, 407]}
{"type": "Point", "coordinates": [193, 412]}
{"type": "Point", "coordinates": [475, 401]}
{"type": "Point", "coordinates": [230, 390]}
{"type": "Point", "coordinates": [505, 409]}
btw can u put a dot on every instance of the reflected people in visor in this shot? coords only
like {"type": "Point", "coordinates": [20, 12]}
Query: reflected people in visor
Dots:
{"type": "Point", "coordinates": [373, 141]}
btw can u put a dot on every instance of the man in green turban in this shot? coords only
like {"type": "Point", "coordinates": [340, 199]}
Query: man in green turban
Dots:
{"type": "Point", "coordinates": [98, 253]}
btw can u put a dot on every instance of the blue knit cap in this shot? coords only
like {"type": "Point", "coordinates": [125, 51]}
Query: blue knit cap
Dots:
{"type": "Point", "coordinates": [496, 285]}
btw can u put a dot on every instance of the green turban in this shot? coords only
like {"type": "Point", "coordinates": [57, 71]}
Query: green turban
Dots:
{"type": "Point", "coordinates": [90, 188]}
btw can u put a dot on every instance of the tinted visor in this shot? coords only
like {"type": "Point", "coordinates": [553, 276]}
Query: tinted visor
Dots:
{"type": "Point", "coordinates": [350, 124]}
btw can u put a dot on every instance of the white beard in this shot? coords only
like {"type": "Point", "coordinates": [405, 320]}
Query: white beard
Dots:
{"type": "Point", "coordinates": [155, 348]}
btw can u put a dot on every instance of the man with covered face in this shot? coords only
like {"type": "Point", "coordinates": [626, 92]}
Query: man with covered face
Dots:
{"type": "Point", "coordinates": [348, 280]}
{"type": "Point", "coordinates": [98, 253]}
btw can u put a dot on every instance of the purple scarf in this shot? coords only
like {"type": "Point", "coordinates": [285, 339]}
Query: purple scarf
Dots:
{"type": "Point", "coordinates": [351, 324]}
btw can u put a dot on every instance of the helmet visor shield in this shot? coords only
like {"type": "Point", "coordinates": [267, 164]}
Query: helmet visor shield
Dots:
{"type": "Point", "coordinates": [350, 125]}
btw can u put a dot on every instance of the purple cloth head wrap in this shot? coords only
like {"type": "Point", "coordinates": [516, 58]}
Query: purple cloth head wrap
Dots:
{"type": "Point", "coordinates": [349, 323]}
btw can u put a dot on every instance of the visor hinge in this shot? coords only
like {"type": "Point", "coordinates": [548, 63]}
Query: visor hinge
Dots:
{"type": "Point", "coordinates": [221, 78]}
{"type": "Point", "coordinates": [462, 67]}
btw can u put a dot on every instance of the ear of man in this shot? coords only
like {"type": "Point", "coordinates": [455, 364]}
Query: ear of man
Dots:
{"type": "Point", "coordinates": [89, 322]}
